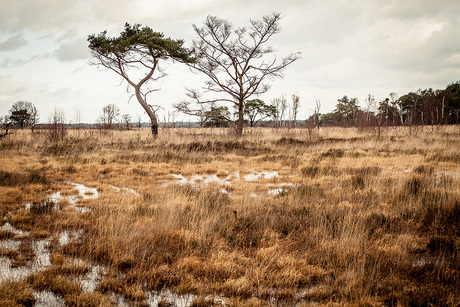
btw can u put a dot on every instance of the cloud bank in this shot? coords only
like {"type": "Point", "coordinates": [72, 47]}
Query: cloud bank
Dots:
{"type": "Point", "coordinates": [350, 48]}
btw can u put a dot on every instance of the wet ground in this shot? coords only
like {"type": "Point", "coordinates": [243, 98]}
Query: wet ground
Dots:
{"type": "Point", "coordinates": [89, 281]}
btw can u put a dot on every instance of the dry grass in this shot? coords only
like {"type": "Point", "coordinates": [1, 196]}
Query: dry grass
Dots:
{"type": "Point", "coordinates": [359, 218]}
{"type": "Point", "coordinates": [15, 294]}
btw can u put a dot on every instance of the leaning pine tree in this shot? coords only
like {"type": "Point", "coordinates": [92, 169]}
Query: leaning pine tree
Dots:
{"type": "Point", "coordinates": [137, 49]}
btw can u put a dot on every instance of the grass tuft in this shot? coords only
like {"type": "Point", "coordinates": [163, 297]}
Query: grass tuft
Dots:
{"type": "Point", "coordinates": [16, 294]}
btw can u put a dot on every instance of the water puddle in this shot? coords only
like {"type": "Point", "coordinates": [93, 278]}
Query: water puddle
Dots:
{"type": "Point", "coordinates": [169, 298]}
{"type": "Point", "coordinates": [66, 237]}
{"type": "Point", "coordinates": [47, 298]}
{"type": "Point", "coordinates": [7, 227]}
{"type": "Point", "coordinates": [276, 191]}
{"type": "Point", "coordinates": [40, 262]}
{"type": "Point", "coordinates": [90, 280]}
{"type": "Point", "coordinates": [8, 271]}
{"type": "Point", "coordinates": [280, 188]}
{"type": "Point", "coordinates": [124, 190]}
{"type": "Point", "coordinates": [198, 181]}
{"type": "Point", "coordinates": [203, 180]}
{"type": "Point", "coordinates": [261, 175]}
{"type": "Point", "coordinates": [42, 255]}
{"type": "Point", "coordinates": [83, 193]}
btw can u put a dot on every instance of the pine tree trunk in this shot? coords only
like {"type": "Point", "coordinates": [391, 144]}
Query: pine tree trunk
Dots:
{"type": "Point", "coordinates": [150, 112]}
{"type": "Point", "coordinates": [154, 130]}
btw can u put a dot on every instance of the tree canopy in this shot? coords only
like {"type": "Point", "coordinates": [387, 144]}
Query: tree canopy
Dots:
{"type": "Point", "coordinates": [216, 116]}
{"type": "Point", "coordinates": [347, 110]}
{"type": "Point", "coordinates": [23, 114]}
{"type": "Point", "coordinates": [257, 110]}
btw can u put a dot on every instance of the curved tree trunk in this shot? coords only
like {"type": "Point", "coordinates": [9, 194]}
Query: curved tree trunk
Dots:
{"type": "Point", "coordinates": [149, 111]}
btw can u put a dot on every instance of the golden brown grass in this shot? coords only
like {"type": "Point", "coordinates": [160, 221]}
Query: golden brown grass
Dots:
{"type": "Point", "coordinates": [15, 294]}
{"type": "Point", "coordinates": [359, 217]}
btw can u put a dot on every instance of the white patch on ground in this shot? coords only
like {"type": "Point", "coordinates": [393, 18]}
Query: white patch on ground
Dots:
{"type": "Point", "coordinates": [303, 292]}
{"type": "Point", "coordinates": [281, 187]}
{"type": "Point", "coordinates": [91, 279]}
{"type": "Point", "coordinates": [9, 244]}
{"type": "Point", "coordinates": [202, 180]}
{"type": "Point", "coordinates": [40, 261]}
{"type": "Point", "coordinates": [124, 189]}
{"type": "Point", "coordinates": [8, 272]}
{"type": "Point", "coordinates": [56, 197]}
{"type": "Point", "coordinates": [66, 237]}
{"type": "Point", "coordinates": [42, 254]}
{"type": "Point", "coordinates": [261, 175]}
{"type": "Point", "coordinates": [47, 298]}
{"type": "Point", "coordinates": [41, 250]}
{"type": "Point", "coordinates": [8, 227]}
{"type": "Point", "coordinates": [154, 298]}
{"type": "Point", "coordinates": [392, 170]}
{"type": "Point", "coordinates": [84, 192]}
{"type": "Point", "coordinates": [275, 191]}
{"type": "Point", "coordinates": [198, 181]}
{"type": "Point", "coordinates": [117, 299]}
{"type": "Point", "coordinates": [205, 180]}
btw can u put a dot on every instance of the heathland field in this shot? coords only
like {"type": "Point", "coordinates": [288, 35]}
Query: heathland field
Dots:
{"type": "Point", "coordinates": [197, 217]}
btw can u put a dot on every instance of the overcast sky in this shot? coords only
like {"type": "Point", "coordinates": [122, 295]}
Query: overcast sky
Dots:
{"type": "Point", "coordinates": [354, 48]}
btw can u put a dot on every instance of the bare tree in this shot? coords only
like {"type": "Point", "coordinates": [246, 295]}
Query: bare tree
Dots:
{"type": "Point", "coordinates": [394, 104]}
{"type": "Point", "coordinates": [126, 121]}
{"type": "Point", "coordinates": [5, 124]}
{"type": "Point", "coordinates": [139, 121]}
{"type": "Point", "coordinates": [295, 108]}
{"type": "Point", "coordinates": [370, 106]}
{"type": "Point", "coordinates": [316, 113]}
{"type": "Point", "coordinates": [56, 125]}
{"type": "Point", "coordinates": [138, 49]}
{"type": "Point", "coordinates": [236, 63]}
{"type": "Point", "coordinates": [280, 103]}
{"type": "Point", "coordinates": [109, 114]}
{"type": "Point", "coordinates": [77, 121]}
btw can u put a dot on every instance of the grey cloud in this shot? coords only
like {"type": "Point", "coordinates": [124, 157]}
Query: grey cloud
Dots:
{"type": "Point", "coordinates": [13, 42]}
{"type": "Point", "coordinates": [416, 9]}
{"type": "Point", "coordinates": [8, 62]}
{"type": "Point", "coordinates": [71, 51]}
{"type": "Point", "coordinates": [38, 15]}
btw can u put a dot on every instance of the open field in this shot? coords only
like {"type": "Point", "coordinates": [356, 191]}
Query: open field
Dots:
{"type": "Point", "coordinates": [198, 217]}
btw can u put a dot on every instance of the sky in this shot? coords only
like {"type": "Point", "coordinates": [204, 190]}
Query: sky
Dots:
{"type": "Point", "coordinates": [349, 47]}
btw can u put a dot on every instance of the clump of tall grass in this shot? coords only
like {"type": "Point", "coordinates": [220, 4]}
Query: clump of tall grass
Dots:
{"type": "Point", "coordinates": [31, 176]}
{"type": "Point", "coordinates": [16, 293]}
{"type": "Point", "coordinates": [44, 207]}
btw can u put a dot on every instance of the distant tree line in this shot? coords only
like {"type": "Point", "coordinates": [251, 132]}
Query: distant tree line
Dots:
{"type": "Point", "coordinates": [422, 107]}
